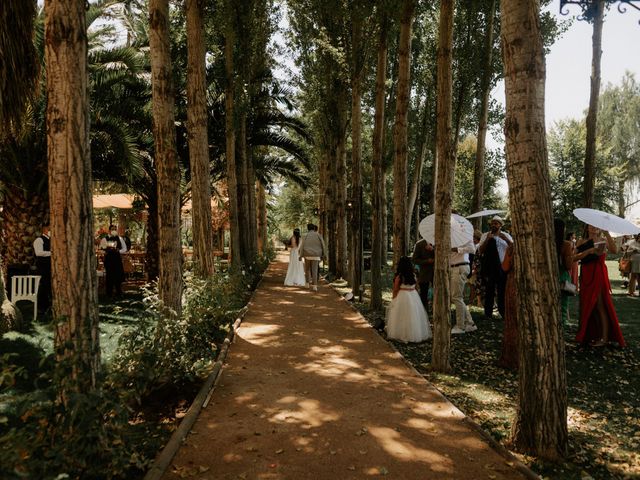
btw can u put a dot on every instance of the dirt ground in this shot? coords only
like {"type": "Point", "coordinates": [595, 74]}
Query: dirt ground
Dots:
{"type": "Point", "coordinates": [311, 391]}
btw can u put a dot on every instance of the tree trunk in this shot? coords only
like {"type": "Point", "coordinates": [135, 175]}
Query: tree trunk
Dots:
{"type": "Point", "coordinates": [198, 139]}
{"type": "Point", "coordinates": [541, 421]}
{"type": "Point", "coordinates": [21, 217]}
{"type": "Point", "coordinates": [341, 202]}
{"type": "Point", "coordinates": [485, 90]}
{"type": "Point", "coordinates": [378, 178]}
{"type": "Point", "coordinates": [355, 252]}
{"type": "Point", "coordinates": [251, 198]}
{"type": "Point", "coordinates": [417, 173]}
{"type": "Point", "coordinates": [152, 257]}
{"type": "Point", "coordinates": [230, 133]}
{"type": "Point", "coordinates": [592, 115]}
{"type": "Point", "coordinates": [243, 190]}
{"type": "Point", "coordinates": [444, 193]}
{"type": "Point", "coordinates": [621, 199]}
{"type": "Point", "coordinates": [166, 158]}
{"type": "Point", "coordinates": [70, 196]}
{"type": "Point", "coordinates": [400, 133]}
{"type": "Point", "coordinates": [262, 217]}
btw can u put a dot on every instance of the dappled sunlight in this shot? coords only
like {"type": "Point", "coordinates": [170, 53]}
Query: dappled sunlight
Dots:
{"type": "Point", "coordinates": [261, 334]}
{"type": "Point", "coordinates": [311, 391]}
{"type": "Point", "coordinates": [398, 446]}
{"type": "Point", "coordinates": [310, 413]}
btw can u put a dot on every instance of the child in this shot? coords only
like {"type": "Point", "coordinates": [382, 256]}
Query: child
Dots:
{"type": "Point", "coordinates": [406, 317]}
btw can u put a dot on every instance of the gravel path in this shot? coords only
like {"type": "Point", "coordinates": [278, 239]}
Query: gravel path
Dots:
{"type": "Point", "coordinates": [311, 391]}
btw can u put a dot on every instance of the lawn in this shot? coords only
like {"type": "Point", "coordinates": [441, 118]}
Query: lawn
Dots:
{"type": "Point", "coordinates": [603, 390]}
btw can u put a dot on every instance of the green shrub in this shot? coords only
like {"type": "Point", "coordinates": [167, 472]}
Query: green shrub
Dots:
{"type": "Point", "coordinates": [87, 437]}
{"type": "Point", "coordinates": [90, 435]}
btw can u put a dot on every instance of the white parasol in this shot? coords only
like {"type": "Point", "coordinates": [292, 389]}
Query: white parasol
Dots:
{"type": "Point", "coordinates": [485, 213]}
{"type": "Point", "coordinates": [461, 230]}
{"type": "Point", "coordinates": [606, 221]}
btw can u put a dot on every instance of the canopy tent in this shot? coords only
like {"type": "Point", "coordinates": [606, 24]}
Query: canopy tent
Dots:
{"type": "Point", "coordinates": [116, 200]}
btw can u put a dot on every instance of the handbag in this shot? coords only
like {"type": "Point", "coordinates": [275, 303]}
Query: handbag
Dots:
{"type": "Point", "coordinates": [624, 265]}
{"type": "Point", "coordinates": [566, 286]}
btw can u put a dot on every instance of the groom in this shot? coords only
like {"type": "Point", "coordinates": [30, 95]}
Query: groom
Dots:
{"type": "Point", "coordinates": [312, 249]}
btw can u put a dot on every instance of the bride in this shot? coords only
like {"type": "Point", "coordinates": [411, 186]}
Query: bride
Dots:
{"type": "Point", "coordinates": [295, 272]}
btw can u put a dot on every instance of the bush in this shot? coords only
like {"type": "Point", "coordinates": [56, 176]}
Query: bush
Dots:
{"type": "Point", "coordinates": [92, 435]}
{"type": "Point", "coordinates": [170, 349]}
{"type": "Point", "coordinates": [87, 437]}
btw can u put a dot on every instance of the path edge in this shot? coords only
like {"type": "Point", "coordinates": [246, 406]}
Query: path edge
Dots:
{"type": "Point", "coordinates": [493, 443]}
{"type": "Point", "coordinates": [165, 457]}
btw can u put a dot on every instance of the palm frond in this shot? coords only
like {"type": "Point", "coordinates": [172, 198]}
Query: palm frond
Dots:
{"type": "Point", "coordinates": [268, 138]}
{"type": "Point", "coordinates": [271, 167]}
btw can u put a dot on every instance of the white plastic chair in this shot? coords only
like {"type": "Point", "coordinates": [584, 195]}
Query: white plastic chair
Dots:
{"type": "Point", "coordinates": [25, 287]}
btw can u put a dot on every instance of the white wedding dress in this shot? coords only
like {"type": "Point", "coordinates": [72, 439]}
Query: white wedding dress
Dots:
{"type": "Point", "coordinates": [295, 272]}
{"type": "Point", "coordinates": [407, 319]}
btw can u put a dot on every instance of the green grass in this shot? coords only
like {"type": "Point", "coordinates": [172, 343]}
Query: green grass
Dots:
{"type": "Point", "coordinates": [603, 390]}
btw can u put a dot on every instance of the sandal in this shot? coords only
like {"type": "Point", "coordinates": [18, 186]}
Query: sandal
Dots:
{"type": "Point", "coordinates": [598, 343]}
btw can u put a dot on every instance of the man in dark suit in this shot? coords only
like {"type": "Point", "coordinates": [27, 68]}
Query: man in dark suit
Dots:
{"type": "Point", "coordinates": [423, 257]}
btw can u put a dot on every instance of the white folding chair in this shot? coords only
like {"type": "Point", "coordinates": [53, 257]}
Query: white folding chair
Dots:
{"type": "Point", "coordinates": [25, 287]}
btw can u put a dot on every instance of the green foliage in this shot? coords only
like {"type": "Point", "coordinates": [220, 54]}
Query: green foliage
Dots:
{"type": "Point", "coordinates": [84, 437]}
{"type": "Point", "coordinates": [566, 143]}
{"type": "Point", "coordinates": [465, 165]}
{"type": "Point", "coordinates": [167, 349]}
{"type": "Point", "coordinates": [98, 435]}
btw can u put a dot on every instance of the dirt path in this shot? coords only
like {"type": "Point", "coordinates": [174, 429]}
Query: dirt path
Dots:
{"type": "Point", "coordinates": [311, 391]}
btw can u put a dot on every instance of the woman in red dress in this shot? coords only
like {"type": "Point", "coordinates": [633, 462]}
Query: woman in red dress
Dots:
{"type": "Point", "coordinates": [598, 320]}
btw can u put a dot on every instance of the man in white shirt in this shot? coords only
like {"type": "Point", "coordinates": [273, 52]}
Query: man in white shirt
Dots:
{"type": "Point", "coordinates": [493, 246]}
{"type": "Point", "coordinates": [460, 269]}
{"type": "Point", "coordinates": [42, 251]}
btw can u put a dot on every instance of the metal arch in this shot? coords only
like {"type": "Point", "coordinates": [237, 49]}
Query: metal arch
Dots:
{"type": "Point", "coordinates": [588, 7]}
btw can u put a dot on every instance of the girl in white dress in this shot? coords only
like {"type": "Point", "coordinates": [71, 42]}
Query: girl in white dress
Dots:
{"type": "Point", "coordinates": [407, 319]}
{"type": "Point", "coordinates": [295, 272]}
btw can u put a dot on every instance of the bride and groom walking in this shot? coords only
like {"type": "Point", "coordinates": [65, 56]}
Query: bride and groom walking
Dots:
{"type": "Point", "coordinates": [311, 248]}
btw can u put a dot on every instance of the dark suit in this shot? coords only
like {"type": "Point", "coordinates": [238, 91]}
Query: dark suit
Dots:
{"type": "Point", "coordinates": [423, 257]}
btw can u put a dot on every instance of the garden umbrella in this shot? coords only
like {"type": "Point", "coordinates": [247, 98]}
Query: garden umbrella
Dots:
{"type": "Point", "coordinates": [461, 230]}
{"type": "Point", "coordinates": [485, 213]}
{"type": "Point", "coordinates": [606, 221]}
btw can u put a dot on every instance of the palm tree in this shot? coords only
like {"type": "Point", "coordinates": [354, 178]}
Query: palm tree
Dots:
{"type": "Point", "coordinates": [114, 88]}
{"type": "Point", "coordinates": [18, 77]}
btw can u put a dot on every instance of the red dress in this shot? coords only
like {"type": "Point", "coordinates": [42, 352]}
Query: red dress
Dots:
{"type": "Point", "coordinates": [594, 281]}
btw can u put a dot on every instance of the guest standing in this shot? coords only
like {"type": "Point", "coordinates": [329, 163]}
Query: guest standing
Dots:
{"type": "Point", "coordinates": [598, 319]}
{"type": "Point", "coordinates": [509, 354]}
{"type": "Point", "coordinates": [459, 272]}
{"type": "Point", "coordinates": [564, 253]}
{"type": "Point", "coordinates": [295, 271]}
{"type": "Point", "coordinates": [312, 249]}
{"type": "Point", "coordinates": [423, 257]}
{"type": "Point", "coordinates": [493, 246]}
{"type": "Point", "coordinates": [113, 246]}
{"type": "Point", "coordinates": [42, 250]}
{"type": "Point", "coordinates": [407, 319]}
{"type": "Point", "coordinates": [633, 251]}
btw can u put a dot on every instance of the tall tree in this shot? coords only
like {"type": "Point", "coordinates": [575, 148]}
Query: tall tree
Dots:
{"type": "Point", "coordinates": [403, 92]}
{"type": "Point", "coordinates": [70, 194]}
{"type": "Point", "coordinates": [596, 13]}
{"type": "Point", "coordinates": [446, 164]}
{"type": "Point", "coordinates": [230, 131]}
{"type": "Point", "coordinates": [166, 158]}
{"type": "Point", "coordinates": [360, 19]}
{"type": "Point", "coordinates": [19, 61]}
{"type": "Point", "coordinates": [377, 162]}
{"type": "Point", "coordinates": [541, 420]}
{"type": "Point", "coordinates": [485, 90]}
{"type": "Point", "coordinates": [198, 138]}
